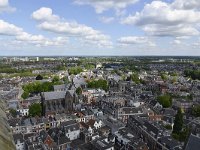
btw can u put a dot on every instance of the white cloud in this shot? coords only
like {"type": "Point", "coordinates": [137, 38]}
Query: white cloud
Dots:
{"type": "Point", "coordinates": [5, 7]}
{"type": "Point", "coordinates": [136, 40]}
{"type": "Point", "coordinates": [176, 42]}
{"type": "Point", "coordinates": [71, 29]}
{"type": "Point", "coordinates": [162, 19]}
{"type": "Point", "coordinates": [9, 29]}
{"type": "Point", "coordinates": [196, 43]}
{"type": "Point", "coordinates": [103, 5]}
{"type": "Point", "coordinates": [99, 40]}
{"type": "Point", "coordinates": [3, 3]}
{"type": "Point", "coordinates": [106, 20]}
{"type": "Point", "coordinates": [44, 14]}
{"type": "Point", "coordinates": [40, 40]}
{"type": "Point", "coordinates": [186, 4]}
{"type": "Point", "coordinates": [182, 37]}
{"type": "Point", "coordinates": [21, 36]}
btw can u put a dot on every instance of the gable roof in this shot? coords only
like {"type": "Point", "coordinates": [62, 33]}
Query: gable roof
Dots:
{"type": "Point", "coordinates": [169, 142]}
{"type": "Point", "coordinates": [153, 102]}
{"type": "Point", "coordinates": [91, 122]}
{"type": "Point", "coordinates": [59, 87]}
{"type": "Point", "coordinates": [54, 95]}
{"type": "Point", "coordinates": [193, 143]}
{"type": "Point", "coordinates": [151, 128]}
{"type": "Point", "coordinates": [68, 123]}
{"type": "Point", "coordinates": [19, 137]}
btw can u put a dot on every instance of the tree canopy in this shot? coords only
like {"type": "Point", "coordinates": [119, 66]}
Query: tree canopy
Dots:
{"type": "Point", "coordinates": [36, 87]}
{"type": "Point", "coordinates": [194, 74]}
{"type": "Point", "coordinates": [180, 132]}
{"type": "Point", "coordinates": [79, 91]}
{"type": "Point", "coordinates": [65, 80]}
{"type": "Point", "coordinates": [164, 76]}
{"type": "Point", "coordinates": [75, 70]}
{"type": "Point", "coordinates": [13, 112]}
{"type": "Point", "coordinates": [165, 100]}
{"type": "Point", "coordinates": [178, 122]}
{"type": "Point", "coordinates": [89, 66]}
{"type": "Point", "coordinates": [196, 111]}
{"type": "Point", "coordinates": [55, 79]}
{"type": "Point", "coordinates": [102, 84]}
{"type": "Point", "coordinates": [61, 67]}
{"type": "Point", "coordinates": [25, 95]}
{"type": "Point", "coordinates": [135, 78]}
{"type": "Point", "coordinates": [35, 110]}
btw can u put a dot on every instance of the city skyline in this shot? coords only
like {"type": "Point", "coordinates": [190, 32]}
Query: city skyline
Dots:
{"type": "Point", "coordinates": [91, 27]}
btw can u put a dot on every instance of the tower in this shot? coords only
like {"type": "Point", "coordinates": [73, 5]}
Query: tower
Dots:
{"type": "Point", "coordinates": [69, 101]}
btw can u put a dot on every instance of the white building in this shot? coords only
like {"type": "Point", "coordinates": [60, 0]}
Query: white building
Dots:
{"type": "Point", "coordinates": [72, 130]}
{"type": "Point", "coordinates": [23, 111]}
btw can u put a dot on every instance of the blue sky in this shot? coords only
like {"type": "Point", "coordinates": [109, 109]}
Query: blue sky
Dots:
{"type": "Point", "coordinates": [99, 27]}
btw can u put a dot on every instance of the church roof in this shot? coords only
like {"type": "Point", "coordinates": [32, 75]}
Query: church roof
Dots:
{"type": "Point", "coordinates": [59, 87]}
{"type": "Point", "coordinates": [54, 95]}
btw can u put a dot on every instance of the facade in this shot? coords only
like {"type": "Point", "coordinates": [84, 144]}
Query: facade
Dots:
{"type": "Point", "coordinates": [71, 129]}
{"type": "Point", "coordinates": [58, 102]}
{"type": "Point", "coordinates": [23, 112]}
{"type": "Point", "coordinates": [19, 142]}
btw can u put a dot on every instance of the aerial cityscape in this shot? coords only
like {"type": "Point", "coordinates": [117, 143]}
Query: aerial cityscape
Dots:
{"type": "Point", "coordinates": [100, 75]}
{"type": "Point", "coordinates": [100, 103]}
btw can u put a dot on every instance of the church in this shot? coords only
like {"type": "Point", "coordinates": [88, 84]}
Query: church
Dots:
{"type": "Point", "coordinates": [58, 102]}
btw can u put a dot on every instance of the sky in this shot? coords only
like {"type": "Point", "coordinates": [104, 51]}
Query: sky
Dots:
{"type": "Point", "coordinates": [99, 27]}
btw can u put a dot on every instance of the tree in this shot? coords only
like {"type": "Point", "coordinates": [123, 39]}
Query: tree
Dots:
{"type": "Point", "coordinates": [184, 134]}
{"type": "Point", "coordinates": [55, 79]}
{"type": "Point", "coordinates": [164, 76]}
{"type": "Point", "coordinates": [13, 112]}
{"type": "Point", "coordinates": [135, 78]}
{"type": "Point", "coordinates": [79, 91]}
{"type": "Point", "coordinates": [46, 87]}
{"type": "Point", "coordinates": [37, 87]}
{"type": "Point", "coordinates": [174, 79]}
{"type": "Point", "coordinates": [196, 111]}
{"type": "Point", "coordinates": [194, 74]}
{"type": "Point", "coordinates": [178, 122]}
{"type": "Point", "coordinates": [65, 80]}
{"type": "Point", "coordinates": [39, 77]}
{"type": "Point", "coordinates": [165, 100]}
{"type": "Point", "coordinates": [35, 110]}
{"type": "Point", "coordinates": [102, 84]}
{"type": "Point", "coordinates": [25, 95]}
{"type": "Point", "coordinates": [61, 67]}
{"type": "Point", "coordinates": [89, 66]}
{"type": "Point", "coordinates": [168, 127]}
{"type": "Point", "coordinates": [75, 70]}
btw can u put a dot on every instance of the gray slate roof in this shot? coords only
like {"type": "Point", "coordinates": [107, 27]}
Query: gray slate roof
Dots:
{"type": "Point", "coordinates": [54, 95]}
{"type": "Point", "coordinates": [169, 142]}
{"type": "Point", "coordinates": [19, 137]}
{"type": "Point", "coordinates": [59, 87]}
{"type": "Point", "coordinates": [193, 143]}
